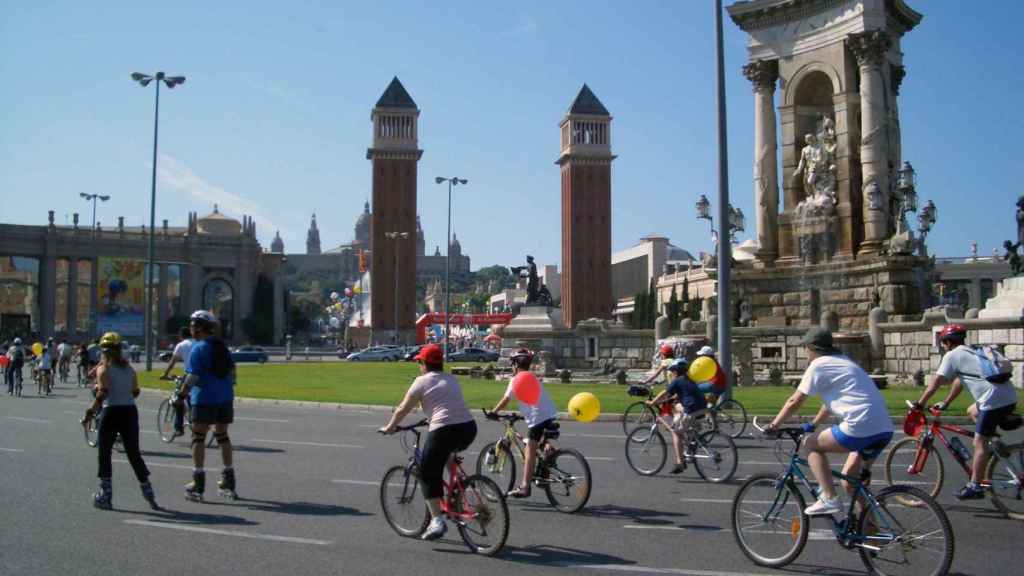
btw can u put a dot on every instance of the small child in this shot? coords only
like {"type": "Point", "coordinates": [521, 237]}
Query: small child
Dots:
{"type": "Point", "coordinates": [689, 404]}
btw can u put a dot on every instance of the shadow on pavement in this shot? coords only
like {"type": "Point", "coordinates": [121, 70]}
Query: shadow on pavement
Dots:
{"type": "Point", "coordinates": [295, 508]}
{"type": "Point", "coordinates": [253, 449]}
{"type": "Point", "coordinates": [160, 454]}
{"type": "Point", "coordinates": [638, 515]}
{"type": "Point", "coordinates": [832, 571]}
{"type": "Point", "coordinates": [545, 555]}
{"type": "Point", "coordinates": [182, 517]}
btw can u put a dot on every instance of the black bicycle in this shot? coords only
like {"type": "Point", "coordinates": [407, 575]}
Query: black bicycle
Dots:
{"type": "Point", "coordinates": [165, 414]}
{"type": "Point", "coordinates": [727, 415]}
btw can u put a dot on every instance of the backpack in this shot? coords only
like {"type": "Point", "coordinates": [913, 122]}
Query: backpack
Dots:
{"type": "Point", "coordinates": [995, 367]}
{"type": "Point", "coordinates": [18, 355]}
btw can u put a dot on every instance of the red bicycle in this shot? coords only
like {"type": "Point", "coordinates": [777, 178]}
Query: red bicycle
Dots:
{"type": "Point", "coordinates": [474, 503]}
{"type": "Point", "coordinates": [913, 461]}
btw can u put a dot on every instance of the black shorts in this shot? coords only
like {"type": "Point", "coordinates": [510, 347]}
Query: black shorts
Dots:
{"type": "Point", "coordinates": [537, 432]}
{"type": "Point", "coordinates": [213, 413]}
{"type": "Point", "coordinates": [988, 420]}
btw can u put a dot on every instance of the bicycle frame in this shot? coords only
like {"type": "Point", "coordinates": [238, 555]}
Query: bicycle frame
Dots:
{"type": "Point", "coordinates": [845, 532]}
{"type": "Point", "coordinates": [453, 487]}
{"type": "Point", "coordinates": [930, 431]}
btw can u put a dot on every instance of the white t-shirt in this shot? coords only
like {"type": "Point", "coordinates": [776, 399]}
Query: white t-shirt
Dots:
{"type": "Point", "coordinates": [961, 362]}
{"type": "Point", "coordinates": [64, 350]}
{"type": "Point", "coordinates": [183, 349]}
{"type": "Point", "coordinates": [441, 398]}
{"type": "Point", "coordinates": [849, 393]}
{"type": "Point", "coordinates": [543, 410]}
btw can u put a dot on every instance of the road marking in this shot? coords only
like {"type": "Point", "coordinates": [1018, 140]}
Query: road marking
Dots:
{"type": "Point", "coordinates": [321, 444]}
{"type": "Point", "coordinates": [237, 534]}
{"type": "Point", "coordinates": [23, 419]}
{"type": "Point", "coordinates": [356, 482]}
{"type": "Point", "coordinates": [253, 419]}
{"type": "Point", "coordinates": [603, 458]}
{"type": "Point", "coordinates": [12, 450]}
{"type": "Point", "coordinates": [155, 464]}
{"type": "Point", "coordinates": [615, 436]}
{"type": "Point", "coordinates": [652, 570]}
{"type": "Point", "coordinates": [679, 528]}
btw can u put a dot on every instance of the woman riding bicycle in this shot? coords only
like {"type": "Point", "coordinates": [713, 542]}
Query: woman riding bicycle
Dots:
{"type": "Point", "coordinates": [451, 428]}
{"type": "Point", "coordinates": [847, 391]}
{"type": "Point", "coordinates": [538, 417]}
{"type": "Point", "coordinates": [116, 389]}
{"type": "Point", "coordinates": [688, 405]}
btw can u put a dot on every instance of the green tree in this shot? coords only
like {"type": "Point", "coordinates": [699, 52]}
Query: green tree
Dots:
{"type": "Point", "coordinates": [259, 326]}
{"type": "Point", "coordinates": [673, 310]}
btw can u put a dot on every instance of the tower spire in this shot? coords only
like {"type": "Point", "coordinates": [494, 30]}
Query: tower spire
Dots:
{"type": "Point", "coordinates": [313, 237]}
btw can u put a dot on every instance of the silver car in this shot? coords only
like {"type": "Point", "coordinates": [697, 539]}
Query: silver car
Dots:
{"type": "Point", "coordinates": [386, 353]}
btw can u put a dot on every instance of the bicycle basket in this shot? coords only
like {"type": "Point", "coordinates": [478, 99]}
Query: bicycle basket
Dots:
{"type": "Point", "coordinates": [914, 422]}
{"type": "Point", "coordinates": [637, 390]}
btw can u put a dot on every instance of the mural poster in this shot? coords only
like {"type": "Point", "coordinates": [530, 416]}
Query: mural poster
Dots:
{"type": "Point", "coordinates": [121, 292]}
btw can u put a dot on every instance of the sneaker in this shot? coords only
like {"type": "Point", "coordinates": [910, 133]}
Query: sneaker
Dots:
{"type": "Point", "coordinates": [970, 491]}
{"type": "Point", "coordinates": [824, 507]}
{"type": "Point", "coordinates": [678, 469]}
{"type": "Point", "coordinates": [435, 529]}
{"type": "Point", "coordinates": [519, 493]}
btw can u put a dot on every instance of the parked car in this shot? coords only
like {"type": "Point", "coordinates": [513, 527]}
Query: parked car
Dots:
{"type": "Point", "coordinates": [410, 352]}
{"type": "Point", "coordinates": [386, 353]}
{"type": "Point", "coordinates": [342, 352]}
{"type": "Point", "coordinates": [473, 355]}
{"type": "Point", "coordinates": [249, 354]}
{"type": "Point", "coordinates": [165, 356]}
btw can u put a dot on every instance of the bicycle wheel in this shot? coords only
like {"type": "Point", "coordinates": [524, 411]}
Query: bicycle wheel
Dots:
{"type": "Point", "coordinates": [911, 540]}
{"type": "Point", "coordinates": [715, 457]}
{"type": "Point", "coordinates": [900, 459]}
{"type": "Point", "coordinates": [645, 451]}
{"type": "Point", "coordinates": [482, 515]}
{"type": "Point", "coordinates": [768, 520]}
{"type": "Point", "coordinates": [496, 462]}
{"type": "Point", "coordinates": [731, 418]}
{"type": "Point", "coordinates": [1005, 472]}
{"type": "Point", "coordinates": [637, 414]}
{"type": "Point", "coordinates": [165, 421]}
{"type": "Point", "coordinates": [402, 502]}
{"type": "Point", "coordinates": [565, 476]}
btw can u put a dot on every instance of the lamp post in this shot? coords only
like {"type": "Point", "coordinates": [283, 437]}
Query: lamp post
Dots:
{"type": "Point", "coordinates": [725, 246]}
{"type": "Point", "coordinates": [925, 221]}
{"type": "Point", "coordinates": [93, 198]}
{"type": "Point", "coordinates": [170, 82]}
{"type": "Point", "coordinates": [906, 186]}
{"type": "Point", "coordinates": [737, 221]}
{"type": "Point", "coordinates": [396, 236]}
{"type": "Point", "coordinates": [453, 181]}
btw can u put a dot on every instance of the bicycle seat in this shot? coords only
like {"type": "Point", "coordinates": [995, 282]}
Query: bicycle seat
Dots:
{"type": "Point", "coordinates": [553, 431]}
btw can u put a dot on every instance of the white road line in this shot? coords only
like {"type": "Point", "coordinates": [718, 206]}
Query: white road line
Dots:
{"type": "Point", "coordinates": [154, 464]}
{"type": "Point", "coordinates": [653, 527]}
{"type": "Point", "coordinates": [652, 570]}
{"type": "Point", "coordinates": [615, 436]}
{"type": "Point", "coordinates": [12, 450]}
{"type": "Point", "coordinates": [321, 444]}
{"type": "Point", "coordinates": [23, 419]}
{"type": "Point", "coordinates": [602, 458]}
{"type": "Point", "coordinates": [237, 534]}
{"type": "Point", "coordinates": [356, 482]}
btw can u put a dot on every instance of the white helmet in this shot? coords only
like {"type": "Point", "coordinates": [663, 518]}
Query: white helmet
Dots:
{"type": "Point", "coordinates": [202, 317]}
{"type": "Point", "coordinates": [706, 351]}
{"type": "Point", "coordinates": [17, 341]}
{"type": "Point", "coordinates": [334, 295]}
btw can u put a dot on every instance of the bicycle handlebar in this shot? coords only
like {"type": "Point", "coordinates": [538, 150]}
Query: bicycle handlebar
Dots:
{"type": "Point", "coordinates": [413, 427]}
{"type": "Point", "coordinates": [508, 417]}
{"type": "Point", "coordinates": [794, 433]}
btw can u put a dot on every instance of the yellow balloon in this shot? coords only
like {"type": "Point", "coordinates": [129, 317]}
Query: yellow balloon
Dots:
{"type": "Point", "coordinates": [584, 407]}
{"type": "Point", "coordinates": [37, 348]}
{"type": "Point", "coordinates": [357, 290]}
{"type": "Point", "coordinates": [702, 369]}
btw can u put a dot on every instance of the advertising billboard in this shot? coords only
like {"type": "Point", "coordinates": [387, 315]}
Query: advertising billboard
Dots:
{"type": "Point", "coordinates": [121, 288]}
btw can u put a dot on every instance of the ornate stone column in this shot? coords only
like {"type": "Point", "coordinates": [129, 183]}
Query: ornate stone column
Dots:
{"type": "Point", "coordinates": [869, 48]}
{"type": "Point", "coordinates": [763, 73]}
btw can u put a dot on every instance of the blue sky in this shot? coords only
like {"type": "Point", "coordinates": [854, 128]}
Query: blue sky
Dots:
{"type": "Point", "coordinates": [274, 120]}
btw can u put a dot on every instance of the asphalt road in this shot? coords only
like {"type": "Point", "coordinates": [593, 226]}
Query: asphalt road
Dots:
{"type": "Point", "coordinates": [308, 480]}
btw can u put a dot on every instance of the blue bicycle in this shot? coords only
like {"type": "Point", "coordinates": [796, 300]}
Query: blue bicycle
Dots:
{"type": "Point", "coordinates": [891, 537]}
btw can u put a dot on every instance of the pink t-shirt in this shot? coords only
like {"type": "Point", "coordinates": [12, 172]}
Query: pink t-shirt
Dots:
{"type": "Point", "coordinates": [441, 398]}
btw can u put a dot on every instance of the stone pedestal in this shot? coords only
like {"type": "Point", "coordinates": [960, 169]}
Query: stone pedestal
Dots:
{"type": "Point", "coordinates": [532, 319]}
{"type": "Point", "coordinates": [1008, 303]}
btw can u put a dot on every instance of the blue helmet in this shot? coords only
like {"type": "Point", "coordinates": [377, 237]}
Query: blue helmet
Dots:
{"type": "Point", "coordinates": [679, 366]}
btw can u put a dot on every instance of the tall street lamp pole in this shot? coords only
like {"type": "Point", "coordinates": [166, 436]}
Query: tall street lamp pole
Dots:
{"type": "Point", "coordinates": [724, 245]}
{"type": "Point", "coordinates": [93, 198]}
{"type": "Point", "coordinates": [396, 236]}
{"type": "Point", "coordinates": [171, 82]}
{"type": "Point", "coordinates": [453, 181]}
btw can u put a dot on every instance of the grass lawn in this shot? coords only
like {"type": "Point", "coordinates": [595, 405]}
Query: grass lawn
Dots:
{"type": "Point", "coordinates": [385, 383]}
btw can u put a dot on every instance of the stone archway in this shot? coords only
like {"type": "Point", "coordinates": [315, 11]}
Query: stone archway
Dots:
{"type": "Point", "coordinates": [219, 299]}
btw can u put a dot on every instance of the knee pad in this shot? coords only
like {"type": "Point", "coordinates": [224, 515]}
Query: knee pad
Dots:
{"type": "Point", "coordinates": [222, 438]}
{"type": "Point", "coordinates": [198, 438]}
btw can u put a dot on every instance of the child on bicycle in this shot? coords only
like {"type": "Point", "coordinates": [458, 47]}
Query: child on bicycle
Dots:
{"type": "Point", "coordinates": [538, 417]}
{"type": "Point", "coordinates": [992, 402]}
{"type": "Point", "coordinates": [668, 354]}
{"type": "Point", "coordinates": [688, 405]}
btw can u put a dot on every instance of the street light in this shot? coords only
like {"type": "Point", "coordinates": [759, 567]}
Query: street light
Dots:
{"type": "Point", "coordinates": [737, 221]}
{"type": "Point", "coordinates": [396, 236]}
{"type": "Point", "coordinates": [925, 221]}
{"type": "Point", "coordinates": [170, 82]}
{"type": "Point", "coordinates": [93, 198]}
{"type": "Point", "coordinates": [453, 181]}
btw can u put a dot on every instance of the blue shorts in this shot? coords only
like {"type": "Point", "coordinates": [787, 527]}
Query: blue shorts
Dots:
{"type": "Point", "coordinates": [988, 420]}
{"type": "Point", "coordinates": [869, 446]}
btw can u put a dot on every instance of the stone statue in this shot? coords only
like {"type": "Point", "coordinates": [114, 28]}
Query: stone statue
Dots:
{"type": "Point", "coordinates": [532, 282]}
{"type": "Point", "coordinates": [1016, 265]}
{"type": "Point", "coordinates": [810, 159]}
{"type": "Point", "coordinates": [817, 164]}
{"type": "Point", "coordinates": [544, 296]}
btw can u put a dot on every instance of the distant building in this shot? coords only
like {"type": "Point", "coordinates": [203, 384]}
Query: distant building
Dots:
{"type": "Point", "coordinates": [636, 267]}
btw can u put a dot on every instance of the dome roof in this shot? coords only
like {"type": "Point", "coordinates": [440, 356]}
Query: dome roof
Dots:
{"type": "Point", "coordinates": [218, 224]}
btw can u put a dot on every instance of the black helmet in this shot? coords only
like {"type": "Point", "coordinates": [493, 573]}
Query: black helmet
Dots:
{"type": "Point", "coordinates": [522, 358]}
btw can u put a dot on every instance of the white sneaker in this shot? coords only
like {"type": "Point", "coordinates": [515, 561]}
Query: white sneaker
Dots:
{"type": "Point", "coordinates": [435, 529]}
{"type": "Point", "coordinates": [824, 507]}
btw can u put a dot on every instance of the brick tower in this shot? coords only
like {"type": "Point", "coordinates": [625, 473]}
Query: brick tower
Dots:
{"type": "Point", "coordinates": [394, 155]}
{"type": "Point", "coordinates": [586, 162]}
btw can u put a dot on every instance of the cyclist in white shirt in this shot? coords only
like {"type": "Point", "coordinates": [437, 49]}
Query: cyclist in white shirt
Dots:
{"type": "Point", "coordinates": [993, 402]}
{"type": "Point", "coordinates": [181, 351]}
{"type": "Point", "coordinates": [848, 392]}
